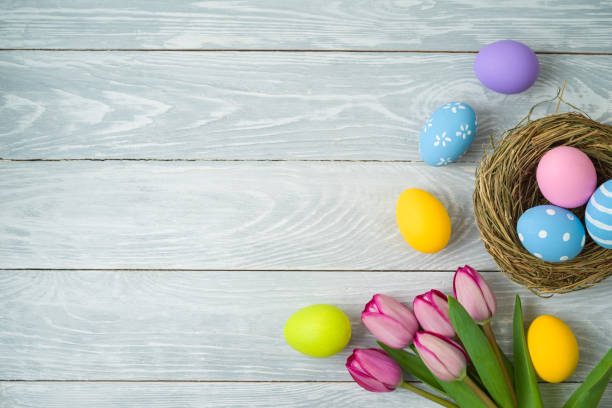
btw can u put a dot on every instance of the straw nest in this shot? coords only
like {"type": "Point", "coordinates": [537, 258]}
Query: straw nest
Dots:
{"type": "Point", "coordinates": [506, 186]}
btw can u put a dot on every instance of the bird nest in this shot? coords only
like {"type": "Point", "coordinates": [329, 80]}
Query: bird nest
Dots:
{"type": "Point", "coordinates": [506, 186]}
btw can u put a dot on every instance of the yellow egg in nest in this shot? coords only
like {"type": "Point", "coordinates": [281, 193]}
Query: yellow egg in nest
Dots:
{"type": "Point", "coordinates": [553, 348]}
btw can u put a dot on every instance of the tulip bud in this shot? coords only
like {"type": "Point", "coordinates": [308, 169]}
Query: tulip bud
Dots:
{"type": "Point", "coordinates": [374, 370]}
{"type": "Point", "coordinates": [390, 321]}
{"type": "Point", "coordinates": [474, 294]}
{"type": "Point", "coordinates": [431, 310]}
{"type": "Point", "coordinates": [445, 359]}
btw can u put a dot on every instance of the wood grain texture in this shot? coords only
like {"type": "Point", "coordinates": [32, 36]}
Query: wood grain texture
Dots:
{"type": "Point", "coordinates": [227, 395]}
{"type": "Point", "coordinates": [276, 24]}
{"type": "Point", "coordinates": [261, 105]}
{"type": "Point", "coordinates": [226, 215]}
{"type": "Point", "coordinates": [226, 325]}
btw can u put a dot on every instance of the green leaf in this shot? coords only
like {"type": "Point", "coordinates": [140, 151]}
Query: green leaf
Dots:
{"type": "Point", "coordinates": [527, 391]}
{"type": "Point", "coordinates": [462, 394]}
{"type": "Point", "coordinates": [480, 352]}
{"type": "Point", "coordinates": [456, 390]}
{"type": "Point", "coordinates": [509, 366]}
{"type": "Point", "coordinates": [412, 364]}
{"type": "Point", "coordinates": [590, 391]}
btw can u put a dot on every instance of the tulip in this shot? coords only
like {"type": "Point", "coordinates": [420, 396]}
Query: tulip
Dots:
{"type": "Point", "coordinates": [374, 370]}
{"type": "Point", "coordinates": [478, 299]}
{"type": "Point", "coordinates": [390, 321]}
{"type": "Point", "coordinates": [448, 361]}
{"type": "Point", "coordinates": [474, 294]}
{"type": "Point", "coordinates": [431, 310]}
{"type": "Point", "coordinates": [445, 359]}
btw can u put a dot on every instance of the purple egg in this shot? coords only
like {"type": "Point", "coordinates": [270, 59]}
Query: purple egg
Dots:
{"type": "Point", "coordinates": [507, 66]}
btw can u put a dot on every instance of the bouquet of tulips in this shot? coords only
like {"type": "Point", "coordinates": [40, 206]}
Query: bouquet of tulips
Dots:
{"type": "Point", "coordinates": [448, 344]}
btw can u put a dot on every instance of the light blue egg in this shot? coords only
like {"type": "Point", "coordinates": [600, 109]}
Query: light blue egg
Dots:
{"type": "Point", "coordinates": [598, 215]}
{"type": "Point", "coordinates": [448, 133]}
{"type": "Point", "coordinates": [551, 233]}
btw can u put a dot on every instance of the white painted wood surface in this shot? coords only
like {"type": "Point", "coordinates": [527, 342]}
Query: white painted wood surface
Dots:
{"type": "Point", "coordinates": [228, 395]}
{"type": "Point", "coordinates": [226, 325]}
{"type": "Point", "coordinates": [226, 215]}
{"type": "Point", "coordinates": [563, 25]}
{"type": "Point", "coordinates": [261, 105]}
{"type": "Point", "coordinates": [199, 324]}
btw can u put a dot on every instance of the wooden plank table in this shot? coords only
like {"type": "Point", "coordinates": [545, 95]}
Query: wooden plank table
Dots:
{"type": "Point", "coordinates": [177, 178]}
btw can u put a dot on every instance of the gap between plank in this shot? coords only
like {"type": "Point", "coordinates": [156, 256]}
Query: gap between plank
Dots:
{"type": "Point", "coordinates": [297, 50]}
{"type": "Point", "coordinates": [227, 160]}
{"type": "Point", "coordinates": [219, 381]}
{"type": "Point", "coordinates": [239, 270]}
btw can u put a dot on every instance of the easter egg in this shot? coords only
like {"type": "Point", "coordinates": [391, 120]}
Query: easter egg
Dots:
{"type": "Point", "coordinates": [551, 233]}
{"type": "Point", "coordinates": [422, 220]}
{"type": "Point", "coordinates": [566, 177]}
{"type": "Point", "coordinates": [318, 330]}
{"type": "Point", "coordinates": [553, 348]}
{"type": "Point", "coordinates": [447, 134]}
{"type": "Point", "coordinates": [507, 66]}
{"type": "Point", "coordinates": [598, 215]}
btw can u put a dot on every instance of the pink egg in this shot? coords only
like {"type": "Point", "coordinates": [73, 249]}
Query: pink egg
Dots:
{"type": "Point", "coordinates": [566, 177]}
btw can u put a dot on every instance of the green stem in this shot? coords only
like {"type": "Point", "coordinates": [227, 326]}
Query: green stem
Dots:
{"type": "Point", "coordinates": [471, 371]}
{"type": "Point", "coordinates": [479, 393]}
{"type": "Point", "coordinates": [428, 395]}
{"type": "Point", "coordinates": [491, 337]}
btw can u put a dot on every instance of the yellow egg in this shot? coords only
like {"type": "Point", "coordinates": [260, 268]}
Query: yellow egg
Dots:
{"type": "Point", "coordinates": [422, 220]}
{"type": "Point", "coordinates": [318, 330]}
{"type": "Point", "coordinates": [553, 348]}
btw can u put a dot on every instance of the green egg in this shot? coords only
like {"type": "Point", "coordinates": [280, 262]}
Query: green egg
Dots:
{"type": "Point", "coordinates": [318, 330]}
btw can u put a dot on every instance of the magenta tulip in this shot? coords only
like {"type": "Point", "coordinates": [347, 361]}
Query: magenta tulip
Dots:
{"type": "Point", "coordinates": [474, 294]}
{"type": "Point", "coordinates": [390, 321]}
{"type": "Point", "coordinates": [431, 310]}
{"type": "Point", "coordinates": [374, 370]}
{"type": "Point", "coordinates": [445, 359]}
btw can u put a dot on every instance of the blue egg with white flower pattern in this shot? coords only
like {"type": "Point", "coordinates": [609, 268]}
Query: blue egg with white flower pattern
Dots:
{"type": "Point", "coordinates": [551, 233]}
{"type": "Point", "coordinates": [598, 215]}
{"type": "Point", "coordinates": [448, 133]}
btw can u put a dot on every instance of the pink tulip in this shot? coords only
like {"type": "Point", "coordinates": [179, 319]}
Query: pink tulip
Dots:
{"type": "Point", "coordinates": [431, 310]}
{"type": "Point", "coordinates": [474, 294]}
{"type": "Point", "coordinates": [390, 321]}
{"type": "Point", "coordinates": [374, 370]}
{"type": "Point", "coordinates": [445, 359]}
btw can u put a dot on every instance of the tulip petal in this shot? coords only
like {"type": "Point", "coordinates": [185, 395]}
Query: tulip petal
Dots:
{"type": "Point", "coordinates": [432, 361]}
{"type": "Point", "coordinates": [387, 330]}
{"type": "Point", "coordinates": [439, 299]}
{"type": "Point", "coordinates": [431, 311]}
{"type": "Point", "coordinates": [431, 319]}
{"type": "Point", "coordinates": [468, 293]}
{"type": "Point", "coordinates": [452, 358]}
{"type": "Point", "coordinates": [371, 306]}
{"type": "Point", "coordinates": [379, 365]}
{"type": "Point", "coordinates": [394, 309]}
{"type": "Point", "coordinates": [361, 377]}
{"type": "Point", "coordinates": [435, 365]}
{"type": "Point", "coordinates": [486, 292]}
{"type": "Point", "coordinates": [448, 354]}
{"type": "Point", "coordinates": [484, 287]}
{"type": "Point", "coordinates": [369, 383]}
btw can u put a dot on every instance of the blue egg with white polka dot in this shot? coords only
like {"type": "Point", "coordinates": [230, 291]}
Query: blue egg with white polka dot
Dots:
{"type": "Point", "coordinates": [447, 134]}
{"type": "Point", "coordinates": [551, 233]}
{"type": "Point", "coordinates": [598, 215]}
